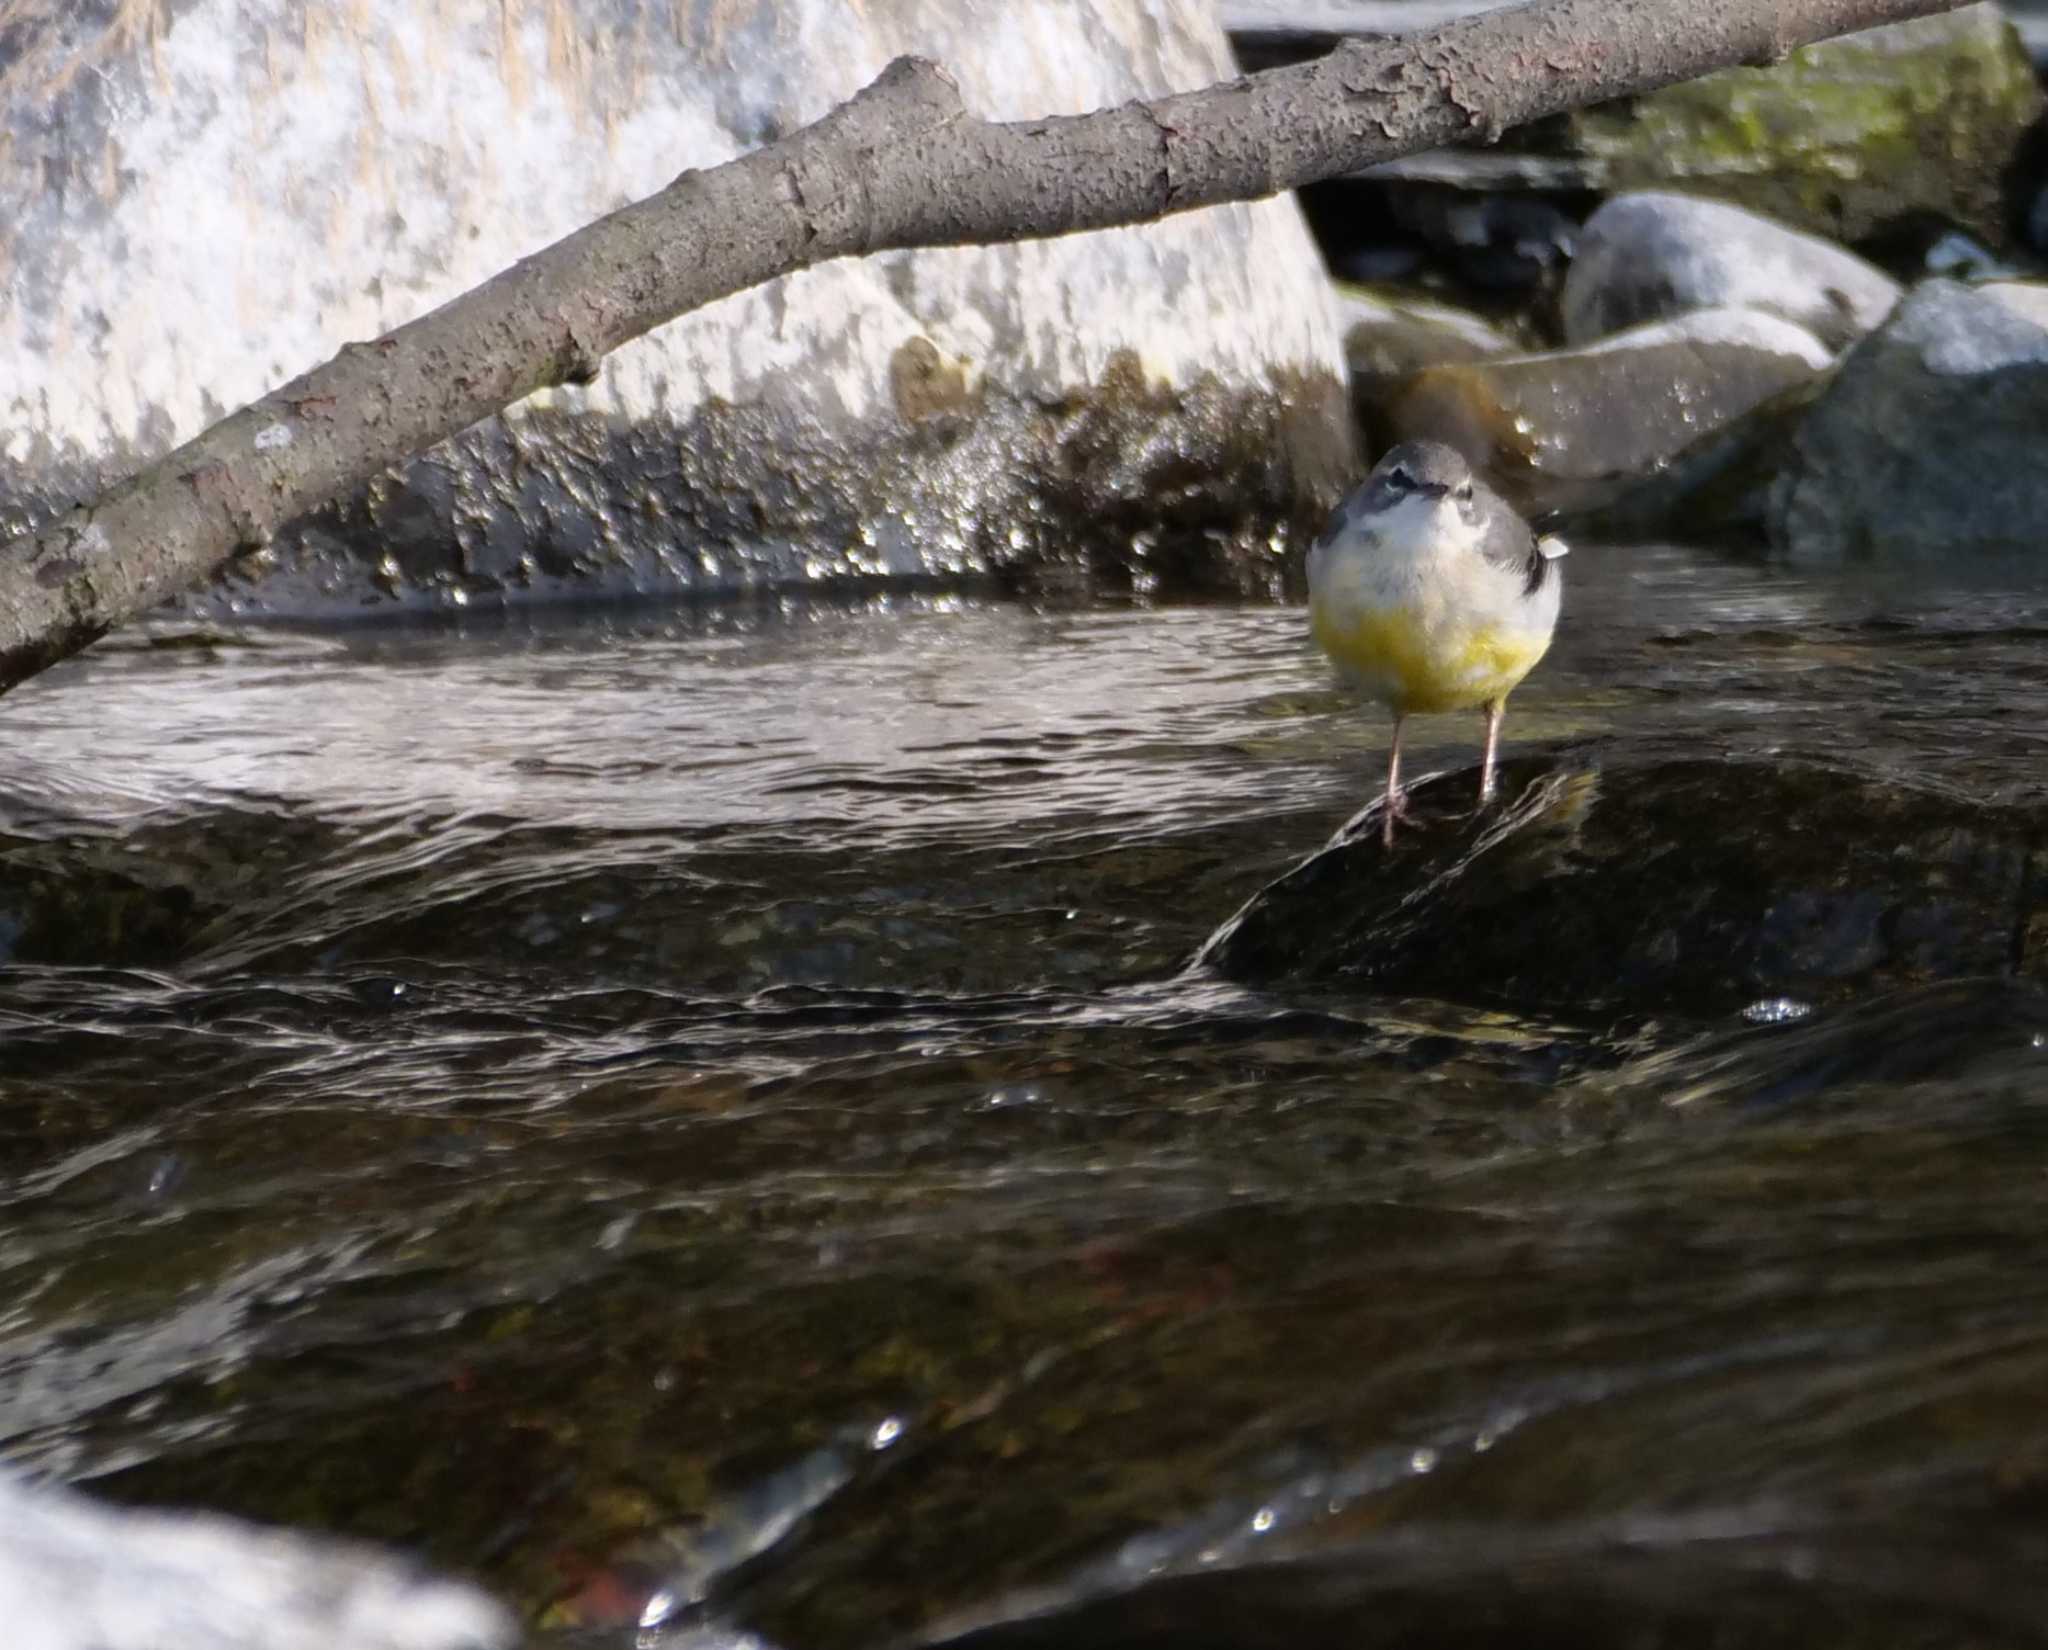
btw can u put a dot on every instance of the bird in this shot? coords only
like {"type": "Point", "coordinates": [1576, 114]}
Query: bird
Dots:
{"type": "Point", "coordinates": [1430, 593]}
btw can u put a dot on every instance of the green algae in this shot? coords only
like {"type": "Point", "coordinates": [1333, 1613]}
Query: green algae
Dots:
{"type": "Point", "coordinates": [1843, 136]}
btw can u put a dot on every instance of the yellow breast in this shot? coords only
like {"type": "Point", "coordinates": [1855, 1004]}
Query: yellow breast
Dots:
{"type": "Point", "coordinates": [1419, 666]}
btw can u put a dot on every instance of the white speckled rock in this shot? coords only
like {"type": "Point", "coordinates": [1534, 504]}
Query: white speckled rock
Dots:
{"type": "Point", "coordinates": [1650, 256]}
{"type": "Point", "coordinates": [1927, 443]}
{"type": "Point", "coordinates": [77, 1575]}
{"type": "Point", "coordinates": [200, 198]}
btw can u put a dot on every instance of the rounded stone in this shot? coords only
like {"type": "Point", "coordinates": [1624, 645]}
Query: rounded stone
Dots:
{"type": "Point", "coordinates": [1652, 256]}
{"type": "Point", "coordinates": [1564, 428]}
{"type": "Point", "coordinates": [1926, 443]}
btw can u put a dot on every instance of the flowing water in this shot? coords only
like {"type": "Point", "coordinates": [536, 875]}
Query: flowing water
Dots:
{"type": "Point", "coordinates": [706, 1120]}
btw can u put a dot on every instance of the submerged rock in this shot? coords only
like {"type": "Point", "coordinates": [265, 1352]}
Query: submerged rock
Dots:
{"type": "Point", "coordinates": [1927, 442]}
{"type": "Point", "coordinates": [1980, 1029]}
{"type": "Point", "coordinates": [1565, 428]}
{"type": "Point", "coordinates": [1651, 256]}
{"type": "Point", "coordinates": [1693, 887]}
{"type": "Point", "coordinates": [1138, 407]}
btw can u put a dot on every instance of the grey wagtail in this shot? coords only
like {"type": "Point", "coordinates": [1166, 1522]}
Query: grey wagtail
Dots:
{"type": "Point", "coordinates": [1430, 593]}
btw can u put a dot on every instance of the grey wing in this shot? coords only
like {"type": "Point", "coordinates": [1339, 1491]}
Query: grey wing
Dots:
{"type": "Point", "coordinates": [1333, 529]}
{"type": "Point", "coordinates": [1350, 506]}
{"type": "Point", "coordinates": [1510, 544]}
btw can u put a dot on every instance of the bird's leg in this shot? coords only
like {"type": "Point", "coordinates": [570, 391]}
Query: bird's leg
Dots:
{"type": "Point", "coordinates": [1495, 710]}
{"type": "Point", "coordinates": [1396, 806]}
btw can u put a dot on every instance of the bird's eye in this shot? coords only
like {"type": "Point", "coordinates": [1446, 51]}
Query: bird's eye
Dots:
{"type": "Point", "coordinates": [1400, 480]}
{"type": "Point", "coordinates": [1465, 491]}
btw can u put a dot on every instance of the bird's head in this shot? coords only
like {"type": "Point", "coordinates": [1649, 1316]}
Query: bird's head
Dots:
{"type": "Point", "coordinates": [1418, 487]}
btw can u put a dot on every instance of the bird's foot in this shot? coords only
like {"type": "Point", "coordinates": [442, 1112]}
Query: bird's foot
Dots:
{"type": "Point", "coordinates": [1393, 811]}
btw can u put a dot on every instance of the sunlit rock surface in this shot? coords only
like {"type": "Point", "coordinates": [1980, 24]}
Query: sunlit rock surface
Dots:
{"type": "Point", "coordinates": [1844, 135]}
{"type": "Point", "coordinates": [78, 1575]}
{"type": "Point", "coordinates": [198, 201]}
{"type": "Point", "coordinates": [1651, 256]}
{"type": "Point", "coordinates": [1562, 428]}
{"type": "Point", "coordinates": [1928, 442]}
{"type": "Point", "coordinates": [1684, 886]}
{"type": "Point", "coordinates": [1840, 139]}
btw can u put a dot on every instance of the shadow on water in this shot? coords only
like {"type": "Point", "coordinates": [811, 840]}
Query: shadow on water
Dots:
{"type": "Point", "coordinates": [710, 1121]}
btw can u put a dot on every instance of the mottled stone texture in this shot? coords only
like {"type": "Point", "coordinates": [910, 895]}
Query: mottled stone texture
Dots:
{"type": "Point", "coordinates": [200, 198]}
{"type": "Point", "coordinates": [1927, 444]}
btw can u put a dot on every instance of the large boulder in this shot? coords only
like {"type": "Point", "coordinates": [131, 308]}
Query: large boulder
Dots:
{"type": "Point", "coordinates": [1656, 886]}
{"type": "Point", "coordinates": [1843, 137]}
{"type": "Point", "coordinates": [1654, 255]}
{"type": "Point", "coordinates": [1927, 443]}
{"type": "Point", "coordinates": [194, 210]}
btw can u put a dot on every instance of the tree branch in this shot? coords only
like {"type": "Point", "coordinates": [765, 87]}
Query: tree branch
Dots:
{"type": "Point", "coordinates": [902, 164]}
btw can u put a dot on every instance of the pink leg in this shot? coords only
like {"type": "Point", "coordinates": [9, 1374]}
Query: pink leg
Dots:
{"type": "Point", "coordinates": [1494, 713]}
{"type": "Point", "coordinates": [1396, 804]}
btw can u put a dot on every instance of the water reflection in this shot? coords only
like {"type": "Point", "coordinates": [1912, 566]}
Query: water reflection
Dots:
{"type": "Point", "coordinates": [553, 1095]}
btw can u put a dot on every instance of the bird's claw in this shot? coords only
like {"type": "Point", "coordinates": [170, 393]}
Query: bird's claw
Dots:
{"type": "Point", "coordinates": [1393, 811]}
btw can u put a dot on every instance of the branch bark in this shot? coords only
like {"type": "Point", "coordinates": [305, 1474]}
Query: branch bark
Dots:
{"type": "Point", "coordinates": [902, 164]}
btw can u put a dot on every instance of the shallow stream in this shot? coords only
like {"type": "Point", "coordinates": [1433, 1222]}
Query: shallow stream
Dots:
{"type": "Point", "coordinates": [707, 1119]}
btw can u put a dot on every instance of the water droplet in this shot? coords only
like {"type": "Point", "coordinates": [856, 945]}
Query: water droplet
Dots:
{"type": "Point", "coordinates": [1423, 1460]}
{"type": "Point", "coordinates": [1262, 1520]}
{"type": "Point", "coordinates": [886, 1433]}
{"type": "Point", "coordinates": [658, 1609]}
{"type": "Point", "coordinates": [1776, 1011]}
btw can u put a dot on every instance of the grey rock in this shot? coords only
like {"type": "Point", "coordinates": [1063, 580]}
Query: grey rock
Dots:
{"type": "Point", "coordinates": [181, 232]}
{"type": "Point", "coordinates": [1562, 429]}
{"type": "Point", "coordinates": [1650, 256]}
{"type": "Point", "coordinates": [1926, 444]}
{"type": "Point", "coordinates": [78, 1575]}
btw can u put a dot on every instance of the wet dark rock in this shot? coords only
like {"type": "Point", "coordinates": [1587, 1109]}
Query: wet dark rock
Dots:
{"type": "Point", "coordinates": [1565, 428]}
{"type": "Point", "coordinates": [82, 908]}
{"type": "Point", "coordinates": [1650, 1585]}
{"type": "Point", "coordinates": [1501, 243]}
{"type": "Point", "coordinates": [1980, 1029]}
{"type": "Point", "coordinates": [1651, 256]}
{"type": "Point", "coordinates": [1127, 487]}
{"type": "Point", "coordinates": [1927, 442]}
{"type": "Point", "coordinates": [1694, 887]}
{"type": "Point", "coordinates": [914, 418]}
